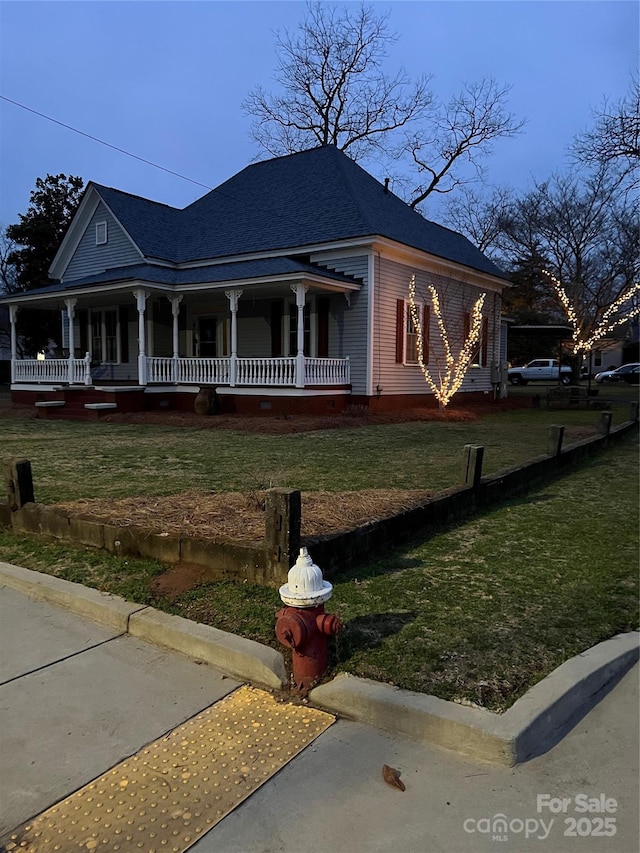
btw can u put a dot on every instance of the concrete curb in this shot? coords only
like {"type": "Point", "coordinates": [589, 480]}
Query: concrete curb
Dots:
{"type": "Point", "coordinates": [535, 723]}
{"type": "Point", "coordinates": [108, 610]}
{"type": "Point", "coordinates": [235, 656]}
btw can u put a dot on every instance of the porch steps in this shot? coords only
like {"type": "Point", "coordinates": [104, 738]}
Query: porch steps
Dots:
{"type": "Point", "coordinates": [95, 410]}
{"type": "Point", "coordinates": [73, 403]}
{"type": "Point", "coordinates": [47, 408]}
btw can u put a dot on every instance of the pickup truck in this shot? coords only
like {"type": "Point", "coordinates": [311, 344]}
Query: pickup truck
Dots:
{"type": "Point", "coordinates": [540, 370]}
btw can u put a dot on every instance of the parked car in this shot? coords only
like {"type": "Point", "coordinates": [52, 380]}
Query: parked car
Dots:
{"type": "Point", "coordinates": [626, 373]}
{"type": "Point", "coordinates": [540, 370]}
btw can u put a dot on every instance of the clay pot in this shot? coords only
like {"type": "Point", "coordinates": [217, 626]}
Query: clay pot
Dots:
{"type": "Point", "coordinates": [206, 402]}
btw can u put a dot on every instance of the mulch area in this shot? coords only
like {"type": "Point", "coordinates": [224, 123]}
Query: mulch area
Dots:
{"type": "Point", "coordinates": [240, 517]}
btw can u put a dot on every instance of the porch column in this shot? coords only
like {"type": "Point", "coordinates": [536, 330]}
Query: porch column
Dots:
{"type": "Point", "coordinates": [175, 311]}
{"type": "Point", "coordinates": [141, 300]}
{"type": "Point", "coordinates": [13, 318]}
{"type": "Point", "coordinates": [71, 313]}
{"type": "Point", "coordinates": [233, 296]}
{"type": "Point", "coordinates": [300, 291]}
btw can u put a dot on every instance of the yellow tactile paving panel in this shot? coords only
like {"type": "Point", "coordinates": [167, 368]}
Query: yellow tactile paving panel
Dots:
{"type": "Point", "coordinates": [170, 793]}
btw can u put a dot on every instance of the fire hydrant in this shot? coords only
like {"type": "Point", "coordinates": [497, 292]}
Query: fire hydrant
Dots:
{"type": "Point", "coordinates": [302, 624]}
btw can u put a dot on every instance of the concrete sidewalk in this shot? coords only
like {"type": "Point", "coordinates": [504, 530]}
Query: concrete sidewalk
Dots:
{"type": "Point", "coordinates": [77, 698]}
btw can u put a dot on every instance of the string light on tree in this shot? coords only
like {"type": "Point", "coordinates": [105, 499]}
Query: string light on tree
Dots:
{"type": "Point", "coordinates": [611, 318]}
{"type": "Point", "coordinates": [451, 377]}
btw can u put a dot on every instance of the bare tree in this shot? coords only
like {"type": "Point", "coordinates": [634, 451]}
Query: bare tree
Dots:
{"type": "Point", "coordinates": [7, 283]}
{"type": "Point", "coordinates": [333, 88]}
{"type": "Point", "coordinates": [581, 238]}
{"type": "Point", "coordinates": [614, 138]}
{"type": "Point", "coordinates": [7, 268]}
{"type": "Point", "coordinates": [480, 217]}
{"type": "Point", "coordinates": [459, 132]}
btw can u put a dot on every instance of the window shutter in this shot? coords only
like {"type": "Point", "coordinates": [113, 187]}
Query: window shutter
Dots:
{"type": "Point", "coordinates": [276, 328]}
{"type": "Point", "coordinates": [399, 331]}
{"type": "Point", "coordinates": [65, 329]}
{"type": "Point", "coordinates": [323, 326]}
{"type": "Point", "coordinates": [123, 316]}
{"type": "Point", "coordinates": [182, 318]}
{"type": "Point", "coordinates": [467, 326]}
{"type": "Point", "coordinates": [485, 341]}
{"type": "Point", "coordinates": [426, 320]}
{"type": "Point", "coordinates": [83, 321]}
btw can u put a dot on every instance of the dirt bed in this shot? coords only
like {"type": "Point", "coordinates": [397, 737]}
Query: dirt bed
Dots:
{"type": "Point", "coordinates": [354, 416]}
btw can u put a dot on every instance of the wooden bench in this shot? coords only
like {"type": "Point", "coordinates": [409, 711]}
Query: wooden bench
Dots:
{"type": "Point", "coordinates": [569, 396]}
{"type": "Point", "coordinates": [99, 407]}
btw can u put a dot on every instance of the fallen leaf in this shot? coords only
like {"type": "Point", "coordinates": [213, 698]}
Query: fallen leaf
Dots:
{"type": "Point", "coordinates": [392, 777]}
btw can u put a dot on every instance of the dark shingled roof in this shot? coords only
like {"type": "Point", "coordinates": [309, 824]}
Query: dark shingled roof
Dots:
{"type": "Point", "coordinates": [316, 196]}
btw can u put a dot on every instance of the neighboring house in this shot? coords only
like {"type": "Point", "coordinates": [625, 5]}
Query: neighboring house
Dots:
{"type": "Point", "coordinates": [286, 289]}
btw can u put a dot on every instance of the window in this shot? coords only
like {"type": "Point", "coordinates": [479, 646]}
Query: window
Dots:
{"type": "Point", "coordinates": [101, 233]}
{"type": "Point", "coordinates": [410, 337]}
{"type": "Point", "coordinates": [105, 337]}
{"type": "Point", "coordinates": [407, 333]}
{"type": "Point", "coordinates": [293, 329]}
{"type": "Point", "coordinates": [482, 350]}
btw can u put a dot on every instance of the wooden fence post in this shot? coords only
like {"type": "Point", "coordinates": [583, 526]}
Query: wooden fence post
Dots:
{"type": "Point", "coordinates": [604, 424]}
{"type": "Point", "coordinates": [554, 440]}
{"type": "Point", "coordinates": [19, 484]}
{"type": "Point", "coordinates": [283, 515]}
{"type": "Point", "coordinates": [472, 465]}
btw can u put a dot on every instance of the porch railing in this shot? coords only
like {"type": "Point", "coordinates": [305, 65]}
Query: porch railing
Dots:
{"type": "Point", "coordinates": [326, 371]}
{"type": "Point", "coordinates": [262, 372]}
{"type": "Point", "coordinates": [75, 371]}
{"type": "Point", "coordinates": [266, 371]}
{"type": "Point", "coordinates": [185, 371]}
{"type": "Point", "coordinates": [248, 371]}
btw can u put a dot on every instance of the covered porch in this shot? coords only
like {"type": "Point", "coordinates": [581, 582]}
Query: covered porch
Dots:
{"type": "Point", "coordinates": [253, 340]}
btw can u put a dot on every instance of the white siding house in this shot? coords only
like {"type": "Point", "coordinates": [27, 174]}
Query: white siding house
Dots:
{"type": "Point", "coordinates": [260, 291]}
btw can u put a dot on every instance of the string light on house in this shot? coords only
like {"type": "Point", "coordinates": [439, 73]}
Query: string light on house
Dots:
{"type": "Point", "coordinates": [455, 368]}
{"type": "Point", "coordinates": [608, 322]}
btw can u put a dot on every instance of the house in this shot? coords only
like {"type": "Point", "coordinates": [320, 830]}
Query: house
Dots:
{"type": "Point", "coordinates": [285, 289]}
{"type": "Point", "coordinates": [5, 349]}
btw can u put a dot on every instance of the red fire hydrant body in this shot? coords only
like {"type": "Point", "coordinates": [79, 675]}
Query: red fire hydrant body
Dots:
{"type": "Point", "coordinates": [302, 624]}
{"type": "Point", "coordinates": [305, 630]}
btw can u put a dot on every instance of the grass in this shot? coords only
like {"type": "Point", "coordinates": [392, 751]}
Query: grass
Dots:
{"type": "Point", "coordinates": [72, 460]}
{"type": "Point", "coordinates": [483, 611]}
{"type": "Point", "coordinates": [477, 613]}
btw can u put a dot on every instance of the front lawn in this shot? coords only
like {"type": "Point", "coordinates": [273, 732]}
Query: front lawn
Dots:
{"type": "Point", "coordinates": [476, 613]}
{"type": "Point", "coordinates": [73, 460]}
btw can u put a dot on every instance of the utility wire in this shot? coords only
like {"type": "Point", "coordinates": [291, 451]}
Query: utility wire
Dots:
{"type": "Point", "coordinates": [102, 142]}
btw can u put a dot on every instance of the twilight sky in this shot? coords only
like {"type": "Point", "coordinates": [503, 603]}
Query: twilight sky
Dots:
{"type": "Point", "coordinates": [165, 80]}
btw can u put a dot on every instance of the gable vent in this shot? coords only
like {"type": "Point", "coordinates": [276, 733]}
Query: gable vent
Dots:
{"type": "Point", "coordinates": [101, 233]}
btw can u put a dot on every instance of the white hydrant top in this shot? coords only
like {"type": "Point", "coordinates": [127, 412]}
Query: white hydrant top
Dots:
{"type": "Point", "coordinates": [305, 586]}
